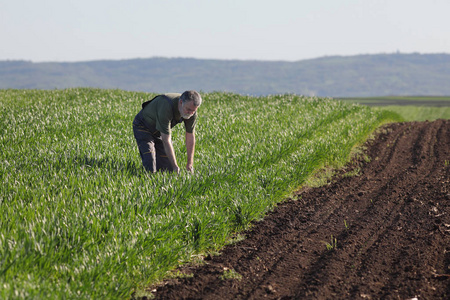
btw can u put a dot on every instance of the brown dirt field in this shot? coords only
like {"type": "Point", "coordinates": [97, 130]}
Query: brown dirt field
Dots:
{"type": "Point", "coordinates": [391, 225]}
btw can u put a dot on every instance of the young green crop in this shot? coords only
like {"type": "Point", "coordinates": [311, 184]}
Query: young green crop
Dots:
{"type": "Point", "coordinates": [420, 113]}
{"type": "Point", "coordinates": [82, 219]}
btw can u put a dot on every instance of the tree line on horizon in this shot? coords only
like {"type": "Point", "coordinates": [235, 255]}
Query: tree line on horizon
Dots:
{"type": "Point", "coordinates": [333, 76]}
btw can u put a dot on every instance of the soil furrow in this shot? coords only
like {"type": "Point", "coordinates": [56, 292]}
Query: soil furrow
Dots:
{"type": "Point", "coordinates": [391, 224]}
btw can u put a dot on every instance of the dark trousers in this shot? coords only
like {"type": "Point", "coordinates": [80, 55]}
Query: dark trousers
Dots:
{"type": "Point", "coordinates": [151, 147]}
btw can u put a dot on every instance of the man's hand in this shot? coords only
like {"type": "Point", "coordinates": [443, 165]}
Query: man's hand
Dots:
{"type": "Point", "coordinates": [190, 168]}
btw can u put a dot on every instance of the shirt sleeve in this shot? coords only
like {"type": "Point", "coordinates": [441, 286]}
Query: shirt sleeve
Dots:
{"type": "Point", "coordinates": [189, 124]}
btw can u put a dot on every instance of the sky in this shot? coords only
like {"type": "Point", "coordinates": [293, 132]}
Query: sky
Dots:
{"type": "Point", "coordinates": [286, 30]}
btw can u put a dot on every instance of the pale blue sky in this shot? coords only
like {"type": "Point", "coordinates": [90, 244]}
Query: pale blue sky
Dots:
{"type": "Point", "coordinates": [290, 30]}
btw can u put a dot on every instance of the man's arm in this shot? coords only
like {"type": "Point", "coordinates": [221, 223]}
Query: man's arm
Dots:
{"type": "Point", "coordinates": [168, 147]}
{"type": "Point", "coordinates": [190, 149]}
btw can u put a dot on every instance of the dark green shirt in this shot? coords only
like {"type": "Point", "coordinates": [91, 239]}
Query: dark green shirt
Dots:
{"type": "Point", "coordinates": [162, 114]}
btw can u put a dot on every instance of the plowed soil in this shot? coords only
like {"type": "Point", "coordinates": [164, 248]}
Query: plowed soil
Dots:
{"type": "Point", "coordinates": [381, 234]}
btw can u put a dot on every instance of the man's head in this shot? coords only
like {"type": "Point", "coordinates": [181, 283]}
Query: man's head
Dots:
{"type": "Point", "coordinates": [189, 102]}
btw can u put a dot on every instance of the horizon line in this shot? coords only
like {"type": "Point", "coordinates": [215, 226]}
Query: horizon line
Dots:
{"type": "Point", "coordinates": [224, 59]}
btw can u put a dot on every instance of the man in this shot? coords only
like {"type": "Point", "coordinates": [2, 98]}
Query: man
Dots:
{"type": "Point", "coordinates": [152, 130]}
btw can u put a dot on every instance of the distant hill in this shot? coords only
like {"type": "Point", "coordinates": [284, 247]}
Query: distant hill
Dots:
{"type": "Point", "coordinates": [333, 76]}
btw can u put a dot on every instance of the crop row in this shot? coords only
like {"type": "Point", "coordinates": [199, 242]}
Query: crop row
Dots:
{"type": "Point", "coordinates": [82, 219]}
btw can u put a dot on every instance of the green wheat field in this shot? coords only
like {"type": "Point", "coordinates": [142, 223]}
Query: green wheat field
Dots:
{"type": "Point", "coordinates": [80, 218]}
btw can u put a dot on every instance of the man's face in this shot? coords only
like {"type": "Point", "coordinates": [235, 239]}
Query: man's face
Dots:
{"type": "Point", "coordinates": [187, 109]}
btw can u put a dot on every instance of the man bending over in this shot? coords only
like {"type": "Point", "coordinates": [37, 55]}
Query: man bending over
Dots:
{"type": "Point", "coordinates": [152, 129]}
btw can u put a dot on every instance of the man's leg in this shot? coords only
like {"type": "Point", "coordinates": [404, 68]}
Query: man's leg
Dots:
{"type": "Point", "coordinates": [146, 145]}
{"type": "Point", "coordinates": [151, 149]}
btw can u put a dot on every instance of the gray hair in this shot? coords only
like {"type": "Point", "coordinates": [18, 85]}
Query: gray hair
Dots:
{"type": "Point", "coordinates": [188, 96]}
